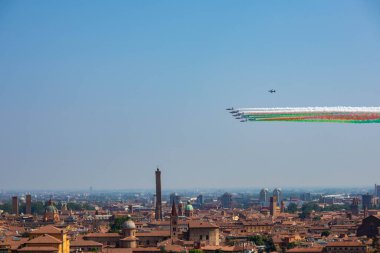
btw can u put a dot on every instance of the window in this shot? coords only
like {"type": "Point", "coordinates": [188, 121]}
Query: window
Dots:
{"type": "Point", "coordinates": [207, 237]}
{"type": "Point", "coordinates": [200, 237]}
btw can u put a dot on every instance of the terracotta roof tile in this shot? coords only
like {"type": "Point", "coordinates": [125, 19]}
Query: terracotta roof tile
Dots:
{"type": "Point", "coordinates": [84, 243]}
{"type": "Point", "coordinates": [47, 230]}
{"type": "Point", "coordinates": [304, 250]}
{"type": "Point", "coordinates": [48, 239]}
{"type": "Point", "coordinates": [344, 244]}
{"type": "Point", "coordinates": [117, 250]}
{"type": "Point", "coordinates": [38, 249]}
{"type": "Point", "coordinates": [201, 224]}
{"type": "Point", "coordinates": [162, 233]}
{"type": "Point", "coordinates": [102, 235]}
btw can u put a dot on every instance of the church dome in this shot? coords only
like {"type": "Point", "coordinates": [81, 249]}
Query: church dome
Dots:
{"type": "Point", "coordinates": [189, 207]}
{"type": "Point", "coordinates": [128, 224]}
{"type": "Point", "coordinates": [51, 208]}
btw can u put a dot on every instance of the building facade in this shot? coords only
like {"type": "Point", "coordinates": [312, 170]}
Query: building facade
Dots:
{"type": "Point", "coordinates": [226, 200]}
{"type": "Point", "coordinates": [203, 232]}
{"type": "Point", "coordinates": [370, 227]}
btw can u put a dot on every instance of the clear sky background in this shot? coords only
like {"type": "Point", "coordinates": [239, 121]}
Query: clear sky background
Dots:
{"type": "Point", "coordinates": [98, 93]}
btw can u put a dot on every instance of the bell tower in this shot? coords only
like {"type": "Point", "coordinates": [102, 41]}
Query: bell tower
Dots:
{"type": "Point", "coordinates": [174, 222]}
{"type": "Point", "coordinates": [158, 213]}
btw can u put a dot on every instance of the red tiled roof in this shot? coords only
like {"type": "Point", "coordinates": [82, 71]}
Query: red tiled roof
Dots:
{"type": "Point", "coordinates": [174, 248]}
{"type": "Point", "coordinates": [44, 239]}
{"type": "Point", "coordinates": [201, 224]}
{"type": "Point", "coordinates": [305, 250]}
{"type": "Point", "coordinates": [130, 238]}
{"type": "Point", "coordinates": [146, 250]}
{"type": "Point", "coordinates": [14, 244]}
{"type": "Point", "coordinates": [84, 243]}
{"type": "Point", "coordinates": [118, 250]}
{"type": "Point", "coordinates": [47, 230]}
{"type": "Point", "coordinates": [344, 244]}
{"type": "Point", "coordinates": [38, 249]}
{"type": "Point", "coordinates": [163, 233]}
{"type": "Point", "coordinates": [223, 248]}
{"type": "Point", "coordinates": [101, 235]}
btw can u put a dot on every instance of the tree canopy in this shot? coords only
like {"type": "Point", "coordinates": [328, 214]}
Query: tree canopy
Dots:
{"type": "Point", "coordinates": [263, 240]}
{"type": "Point", "coordinates": [117, 223]}
{"type": "Point", "coordinates": [292, 208]}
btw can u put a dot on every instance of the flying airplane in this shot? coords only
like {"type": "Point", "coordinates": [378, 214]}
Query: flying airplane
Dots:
{"type": "Point", "coordinates": [230, 109]}
{"type": "Point", "coordinates": [233, 112]}
{"type": "Point", "coordinates": [243, 120]}
{"type": "Point", "coordinates": [272, 91]}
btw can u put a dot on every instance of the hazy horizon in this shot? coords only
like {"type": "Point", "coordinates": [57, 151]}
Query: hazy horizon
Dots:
{"type": "Point", "coordinates": [100, 93]}
{"type": "Point", "coordinates": [233, 190]}
{"type": "Point", "coordinates": [166, 190]}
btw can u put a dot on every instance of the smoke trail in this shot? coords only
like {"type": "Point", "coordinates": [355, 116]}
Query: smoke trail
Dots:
{"type": "Point", "coordinates": [339, 114]}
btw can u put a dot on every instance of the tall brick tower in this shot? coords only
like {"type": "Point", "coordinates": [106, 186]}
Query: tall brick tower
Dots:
{"type": "Point", "coordinates": [28, 204]}
{"type": "Point", "coordinates": [174, 222]}
{"type": "Point", "coordinates": [355, 206]}
{"type": "Point", "coordinates": [273, 206]}
{"type": "Point", "coordinates": [158, 214]}
{"type": "Point", "coordinates": [15, 205]}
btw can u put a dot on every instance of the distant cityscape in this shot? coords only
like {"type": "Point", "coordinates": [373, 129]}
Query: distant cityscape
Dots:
{"type": "Point", "coordinates": [177, 126]}
{"type": "Point", "coordinates": [266, 220]}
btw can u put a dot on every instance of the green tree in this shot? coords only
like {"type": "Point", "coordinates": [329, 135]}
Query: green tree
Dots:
{"type": "Point", "coordinates": [74, 206]}
{"type": "Point", "coordinates": [87, 206]}
{"type": "Point", "coordinates": [308, 208]}
{"type": "Point", "coordinates": [117, 223]}
{"type": "Point", "coordinates": [257, 239]}
{"type": "Point", "coordinates": [336, 207]}
{"type": "Point", "coordinates": [325, 233]}
{"type": "Point", "coordinates": [6, 207]}
{"type": "Point", "coordinates": [269, 244]}
{"type": "Point", "coordinates": [38, 207]}
{"type": "Point", "coordinates": [292, 208]}
{"type": "Point", "coordinates": [162, 249]}
{"type": "Point", "coordinates": [291, 245]}
{"type": "Point", "coordinates": [79, 206]}
{"type": "Point", "coordinates": [304, 214]}
{"type": "Point", "coordinates": [195, 251]}
{"type": "Point", "coordinates": [311, 206]}
{"type": "Point", "coordinates": [263, 240]}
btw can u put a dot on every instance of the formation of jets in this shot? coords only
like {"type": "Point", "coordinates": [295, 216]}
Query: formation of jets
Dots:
{"type": "Point", "coordinates": [238, 115]}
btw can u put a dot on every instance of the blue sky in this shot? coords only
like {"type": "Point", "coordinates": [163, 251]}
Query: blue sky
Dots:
{"type": "Point", "coordinates": [98, 93]}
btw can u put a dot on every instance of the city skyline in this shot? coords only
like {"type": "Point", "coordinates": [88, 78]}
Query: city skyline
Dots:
{"type": "Point", "coordinates": [197, 126]}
